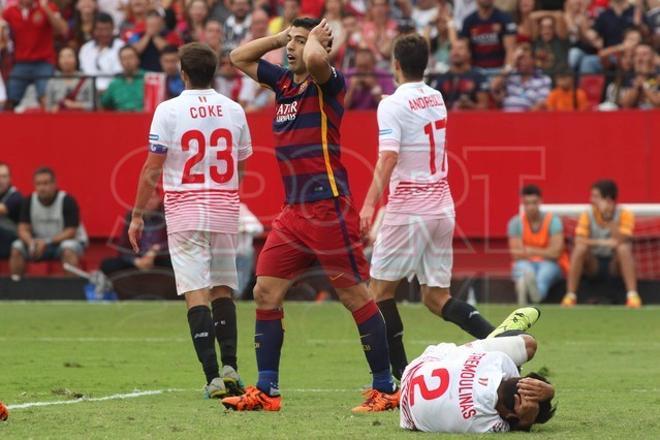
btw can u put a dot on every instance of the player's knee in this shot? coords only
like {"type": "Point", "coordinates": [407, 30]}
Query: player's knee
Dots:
{"type": "Point", "coordinates": [530, 346]}
{"type": "Point", "coordinates": [263, 297]}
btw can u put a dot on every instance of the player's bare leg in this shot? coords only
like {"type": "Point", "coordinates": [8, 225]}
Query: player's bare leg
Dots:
{"type": "Point", "coordinates": [269, 295]}
{"type": "Point", "coordinates": [581, 259]}
{"type": "Point", "coordinates": [383, 292]}
{"type": "Point", "coordinates": [625, 263]}
{"type": "Point", "coordinates": [226, 332]}
{"type": "Point", "coordinates": [440, 302]}
{"type": "Point", "coordinates": [16, 264]}
{"type": "Point", "coordinates": [203, 338]}
{"type": "Point", "coordinates": [71, 257]}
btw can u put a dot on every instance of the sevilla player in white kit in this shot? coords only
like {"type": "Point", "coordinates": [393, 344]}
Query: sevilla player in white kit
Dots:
{"type": "Point", "coordinates": [199, 142]}
{"type": "Point", "coordinates": [475, 388]}
{"type": "Point", "coordinates": [418, 226]}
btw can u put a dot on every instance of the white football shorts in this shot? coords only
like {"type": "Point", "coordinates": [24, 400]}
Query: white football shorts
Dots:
{"type": "Point", "coordinates": [203, 259]}
{"type": "Point", "coordinates": [422, 247]}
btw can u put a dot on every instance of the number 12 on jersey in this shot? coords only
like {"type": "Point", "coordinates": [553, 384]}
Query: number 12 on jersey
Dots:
{"type": "Point", "coordinates": [440, 124]}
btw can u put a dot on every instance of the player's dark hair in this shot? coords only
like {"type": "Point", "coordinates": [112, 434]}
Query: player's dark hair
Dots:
{"type": "Point", "coordinates": [169, 49]}
{"type": "Point", "coordinates": [412, 53]}
{"type": "Point", "coordinates": [199, 62]}
{"type": "Point", "coordinates": [44, 170]}
{"type": "Point", "coordinates": [306, 23]}
{"type": "Point", "coordinates": [607, 188]}
{"type": "Point", "coordinates": [103, 17]}
{"type": "Point", "coordinates": [531, 190]}
{"type": "Point", "coordinates": [507, 391]}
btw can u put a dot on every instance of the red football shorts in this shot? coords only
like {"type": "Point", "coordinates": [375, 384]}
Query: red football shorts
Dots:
{"type": "Point", "coordinates": [326, 231]}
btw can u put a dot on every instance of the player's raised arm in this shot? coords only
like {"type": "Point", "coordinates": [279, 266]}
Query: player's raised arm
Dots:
{"type": "Point", "coordinates": [316, 52]}
{"type": "Point", "coordinates": [246, 57]}
{"type": "Point", "coordinates": [149, 178]}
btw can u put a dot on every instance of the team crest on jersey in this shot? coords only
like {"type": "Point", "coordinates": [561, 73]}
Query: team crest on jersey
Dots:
{"type": "Point", "coordinates": [286, 112]}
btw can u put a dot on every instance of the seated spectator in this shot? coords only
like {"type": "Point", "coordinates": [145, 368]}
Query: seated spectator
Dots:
{"type": "Point", "coordinates": [219, 10]}
{"type": "Point", "coordinates": [463, 8]}
{"type": "Point", "coordinates": [536, 243]}
{"type": "Point", "coordinates": [526, 89]}
{"type": "Point", "coordinates": [238, 23]}
{"type": "Point", "coordinates": [213, 35]}
{"type": "Point", "coordinates": [10, 208]}
{"type": "Point", "coordinates": [441, 35]}
{"type": "Point", "coordinates": [169, 62]}
{"type": "Point", "coordinates": [126, 91]}
{"type": "Point", "coordinates": [653, 20]}
{"type": "Point", "coordinates": [67, 90]}
{"type": "Point", "coordinates": [152, 41]}
{"type": "Point", "coordinates": [192, 28]}
{"type": "Point", "coordinates": [491, 35]}
{"type": "Point", "coordinates": [425, 12]}
{"type": "Point", "coordinates": [290, 11]}
{"type": "Point", "coordinates": [609, 57]}
{"type": "Point", "coordinates": [248, 228]}
{"type": "Point", "coordinates": [82, 26]}
{"type": "Point", "coordinates": [49, 226]}
{"type": "Point", "coordinates": [462, 87]}
{"type": "Point", "coordinates": [608, 29]}
{"type": "Point", "coordinates": [578, 27]}
{"type": "Point", "coordinates": [565, 97]}
{"type": "Point", "coordinates": [100, 56]}
{"type": "Point", "coordinates": [603, 244]}
{"type": "Point", "coordinates": [228, 80]}
{"type": "Point", "coordinates": [135, 20]}
{"type": "Point", "coordinates": [550, 43]}
{"type": "Point", "coordinates": [32, 24]}
{"type": "Point", "coordinates": [366, 83]}
{"type": "Point", "coordinates": [379, 31]}
{"type": "Point", "coordinates": [524, 21]}
{"type": "Point", "coordinates": [624, 70]}
{"type": "Point", "coordinates": [641, 88]}
{"type": "Point", "coordinates": [153, 243]}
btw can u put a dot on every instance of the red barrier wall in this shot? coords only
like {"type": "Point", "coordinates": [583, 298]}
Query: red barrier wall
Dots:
{"type": "Point", "coordinates": [98, 156]}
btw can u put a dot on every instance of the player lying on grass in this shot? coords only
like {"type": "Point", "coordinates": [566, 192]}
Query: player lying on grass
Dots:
{"type": "Point", "coordinates": [418, 226]}
{"type": "Point", "coordinates": [476, 387]}
{"type": "Point", "coordinates": [318, 220]}
{"type": "Point", "coordinates": [199, 142]}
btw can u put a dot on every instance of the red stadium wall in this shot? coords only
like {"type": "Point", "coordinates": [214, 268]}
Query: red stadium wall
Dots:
{"type": "Point", "coordinates": [97, 157]}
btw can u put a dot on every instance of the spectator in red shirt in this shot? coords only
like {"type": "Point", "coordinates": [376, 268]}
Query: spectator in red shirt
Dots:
{"type": "Point", "coordinates": [136, 16]}
{"type": "Point", "coordinates": [152, 41]}
{"type": "Point", "coordinates": [32, 27]}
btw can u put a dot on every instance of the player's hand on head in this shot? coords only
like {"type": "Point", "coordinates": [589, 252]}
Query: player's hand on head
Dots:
{"type": "Point", "coordinates": [535, 389]}
{"type": "Point", "coordinates": [323, 33]}
{"type": "Point", "coordinates": [135, 233]}
{"type": "Point", "coordinates": [526, 410]}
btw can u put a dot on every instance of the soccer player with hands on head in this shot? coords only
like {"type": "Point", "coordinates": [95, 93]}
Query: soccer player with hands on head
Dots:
{"type": "Point", "coordinates": [318, 221]}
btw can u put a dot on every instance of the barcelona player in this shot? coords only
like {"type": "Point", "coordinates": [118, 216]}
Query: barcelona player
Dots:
{"type": "Point", "coordinates": [318, 221]}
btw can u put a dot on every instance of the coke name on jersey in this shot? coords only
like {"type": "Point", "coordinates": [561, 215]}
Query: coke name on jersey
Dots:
{"type": "Point", "coordinates": [206, 111]}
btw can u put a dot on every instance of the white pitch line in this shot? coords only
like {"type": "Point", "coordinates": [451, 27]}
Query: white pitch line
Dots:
{"type": "Point", "coordinates": [135, 394]}
{"type": "Point", "coordinates": [132, 395]}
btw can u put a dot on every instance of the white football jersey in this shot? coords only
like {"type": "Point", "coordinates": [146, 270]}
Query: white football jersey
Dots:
{"type": "Point", "coordinates": [204, 135]}
{"type": "Point", "coordinates": [412, 122]}
{"type": "Point", "coordinates": [454, 389]}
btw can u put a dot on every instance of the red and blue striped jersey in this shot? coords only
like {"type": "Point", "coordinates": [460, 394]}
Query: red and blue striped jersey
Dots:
{"type": "Point", "coordinates": [306, 129]}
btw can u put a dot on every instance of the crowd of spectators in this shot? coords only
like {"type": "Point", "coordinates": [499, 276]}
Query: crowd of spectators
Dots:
{"type": "Point", "coordinates": [484, 54]}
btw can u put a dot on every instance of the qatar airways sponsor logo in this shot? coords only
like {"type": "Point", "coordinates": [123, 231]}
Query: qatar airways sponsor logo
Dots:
{"type": "Point", "coordinates": [286, 112]}
{"type": "Point", "coordinates": [424, 102]}
{"type": "Point", "coordinates": [466, 385]}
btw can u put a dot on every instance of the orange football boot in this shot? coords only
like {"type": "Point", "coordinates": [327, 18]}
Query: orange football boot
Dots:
{"type": "Point", "coordinates": [378, 401]}
{"type": "Point", "coordinates": [253, 400]}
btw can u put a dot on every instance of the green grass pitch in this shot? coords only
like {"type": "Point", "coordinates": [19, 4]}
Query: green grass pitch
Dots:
{"type": "Point", "coordinates": [603, 360]}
